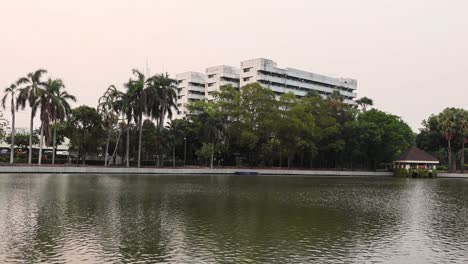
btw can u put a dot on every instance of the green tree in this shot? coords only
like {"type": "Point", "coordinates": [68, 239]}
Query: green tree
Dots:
{"type": "Point", "coordinates": [22, 139]}
{"type": "Point", "coordinates": [162, 92]}
{"type": "Point", "coordinates": [206, 116]}
{"type": "Point", "coordinates": [176, 135]}
{"type": "Point", "coordinates": [448, 126]}
{"type": "Point", "coordinates": [84, 129]}
{"type": "Point", "coordinates": [383, 136]}
{"type": "Point", "coordinates": [108, 109]}
{"type": "Point", "coordinates": [12, 92]}
{"type": "Point", "coordinates": [58, 108]}
{"type": "Point", "coordinates": [296, 127]}
{"type": "Point", "coordinates": [3, 126]}
{"type": "Point", "coordinates": [31, 88]}
{"type": "Point", "coordinates": [462, 121]}
{"type": "Point", "coordinates": [364, 102]}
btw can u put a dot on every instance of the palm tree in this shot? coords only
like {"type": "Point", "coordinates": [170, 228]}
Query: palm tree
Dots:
{"type": "Point", "coordinates": [137, 106]}
{"type": "Point", "coordinates": [364, 102]}
{"type": "Point", "coordinates": [447, 125]}
{"type": "Point", "coordinates": [108, 108]}
{"type": "Point", "coordinates": [165, 94]}
{"type": "Point", "coordinates": [176, 133]}
{"type": "Point", "coordinates": [29, 94]}
{"type": "Point", "coordinates": [58, 108]}
{"type": "Point", "coordinates": [11, 92]}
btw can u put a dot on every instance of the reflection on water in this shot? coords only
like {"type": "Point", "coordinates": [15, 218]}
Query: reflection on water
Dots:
{"type": "Point", "coordinates": [211, 219]}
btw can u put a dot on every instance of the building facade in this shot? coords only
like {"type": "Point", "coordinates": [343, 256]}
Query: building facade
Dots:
{"type": "Point", "coordinates": [195, 86]}
{"type": "Point", "coordinates": [267, 73]}
{"type": "Point", "coordinates": [190, 88]}
{"type": "Point", "coordinates": [219, 76]}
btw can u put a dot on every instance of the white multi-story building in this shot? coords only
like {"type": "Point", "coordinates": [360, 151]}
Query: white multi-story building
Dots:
{"type": "Point", "coordinates": [219, 76]}
{"type": "Point", "coordinates": [194, 86]}
{"type": "Point", "coordinates": [267, 73]}
{"type": "Point", "coordinates": [190, 88]}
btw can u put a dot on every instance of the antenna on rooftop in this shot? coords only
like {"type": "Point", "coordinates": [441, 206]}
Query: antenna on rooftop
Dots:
{"type": "Point", "coordinates": [147, 69]}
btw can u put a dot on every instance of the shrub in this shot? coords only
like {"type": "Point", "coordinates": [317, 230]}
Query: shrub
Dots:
{"type": "Point", "coordinates": [400, 173]}
{"type": "Point", "coordinates": [414, 173]}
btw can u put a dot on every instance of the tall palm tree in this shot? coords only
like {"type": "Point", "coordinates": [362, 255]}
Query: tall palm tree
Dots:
{"type": "Point", "coordinates": [58, 108]}
{"type": "Point", "coordinates": [11, 92]}
{"type": "Point", "coordinates": [29, 94]}
{"type": "Point", "coordinates": [136, 107]}
{"type": "Point", "coordinates": [108, 109]}
{"type": "Point", "coordinates": [447, 125]}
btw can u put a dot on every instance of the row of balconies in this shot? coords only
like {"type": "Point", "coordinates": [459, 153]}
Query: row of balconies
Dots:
{"type": "Point", "coordinates": [291, 84]}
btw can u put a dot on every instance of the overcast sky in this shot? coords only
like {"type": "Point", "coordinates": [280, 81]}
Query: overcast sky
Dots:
{"type": "Point", "coordinates": [410, 56]}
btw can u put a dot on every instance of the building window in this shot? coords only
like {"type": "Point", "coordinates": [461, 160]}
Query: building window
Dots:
{"type": "Point", "coordinates": [211, 76]}
{"type": "Point", "coordinates": [246, 79]}
{"type": "Point", "coordinates": [211, 84]}
{"type": "Point", "coordinates": [247, 69]}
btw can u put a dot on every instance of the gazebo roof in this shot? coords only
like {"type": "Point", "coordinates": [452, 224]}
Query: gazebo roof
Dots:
{"type": "Point", "coordinates": [416, 154]}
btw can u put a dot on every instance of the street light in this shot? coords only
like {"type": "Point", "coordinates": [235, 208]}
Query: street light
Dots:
{"type": "Point", "coordinates": [185, 150]}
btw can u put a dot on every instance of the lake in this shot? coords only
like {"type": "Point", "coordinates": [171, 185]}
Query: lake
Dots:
{"type": "Point", "coordinates": [232, 219]}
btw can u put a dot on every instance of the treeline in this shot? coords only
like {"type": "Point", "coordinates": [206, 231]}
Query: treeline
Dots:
{"type": "Point", "coordinates": [242, 127]}
{"type": "Point", "coordinates": [261, 129]}
{"type": "Point", "coordinates": [250, 126]}
{"type": "Point", "coordinates": [445, 136]}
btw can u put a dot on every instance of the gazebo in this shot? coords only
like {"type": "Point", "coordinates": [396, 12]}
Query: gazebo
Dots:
{"type": "Point", "coordinates": [416, 158]}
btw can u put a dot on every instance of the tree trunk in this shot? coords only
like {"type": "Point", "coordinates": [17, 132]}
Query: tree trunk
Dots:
{"type": "Point", "coordinates": [173, 156]}
{"type": "Point", "coordinates": [31, 124]}
{"type": "Point", "coordinates": [54, 144]}
{"type": "Point", "coordinates": [107, 147]}
{"type": "Point", "coordinates": [161, 116]}
{"type": "Point", "coordinates": [114, 154]}
{"type": "Point", "coordinates": [140, 132]}
{"type": "Point", "coordinates": [463, 156]}
{"type": "Point", "coordinates": [127, 148]}
{"type": "Point", "coordinates": [280, 158]}
{"type": "Point", "coordinates": [449, 149]}
{"type": "Point", "coordinates": [12, 149]}
{"type": "Point", "coordinates": [41, 140]}
{"type": "Point", "coordinates": [212, 156]}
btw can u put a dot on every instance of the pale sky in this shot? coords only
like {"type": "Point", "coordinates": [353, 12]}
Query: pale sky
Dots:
{"type": "Point", "coordinates": [409, 56]}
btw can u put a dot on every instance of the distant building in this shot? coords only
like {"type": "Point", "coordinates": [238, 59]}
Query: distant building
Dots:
{"type": "Point", "coordinates": [415, 158]}
{"type": "Point", "coordinates": [267, 73]}
{"type": "Point", "coordinates": [195, 86]}
{"type": "Point", "coordinates": [190, 88]}
{"type": "Point", "coordinates": [219, 76]}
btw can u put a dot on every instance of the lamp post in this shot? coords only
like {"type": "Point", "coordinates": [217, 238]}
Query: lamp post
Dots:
{"type": "Point", "coordinates": [185, 150]}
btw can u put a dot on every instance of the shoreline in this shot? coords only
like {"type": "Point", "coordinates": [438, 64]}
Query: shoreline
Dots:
{"type": "Point", "coordinates": [196, 171]}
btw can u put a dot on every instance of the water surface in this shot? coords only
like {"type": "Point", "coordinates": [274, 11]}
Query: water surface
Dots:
{"type": "Point", "coordinates": [232, 219]}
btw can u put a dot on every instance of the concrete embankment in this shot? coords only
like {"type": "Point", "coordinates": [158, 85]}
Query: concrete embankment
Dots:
{"type": "Point", "coordinates": [452, 175]}
{"type": "Point", "coordinates": [195, 171]}
{"type": "Point", "coordinates": [179, 171]}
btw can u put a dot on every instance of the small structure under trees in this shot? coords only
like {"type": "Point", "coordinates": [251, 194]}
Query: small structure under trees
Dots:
{"type": "Point", "coordinates": [415, 162]}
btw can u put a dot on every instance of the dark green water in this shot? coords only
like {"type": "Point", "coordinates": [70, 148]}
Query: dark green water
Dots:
{"type": "Point", "coordinates": [231, 219]}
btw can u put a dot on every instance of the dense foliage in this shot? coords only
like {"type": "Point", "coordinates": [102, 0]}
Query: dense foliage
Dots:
{"type": "Point", "coordinates": [250, 126]}
{"type": "Point", "coordinates": [445, 136]}
{"type": "Point", "coordinates": [253, 127]}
